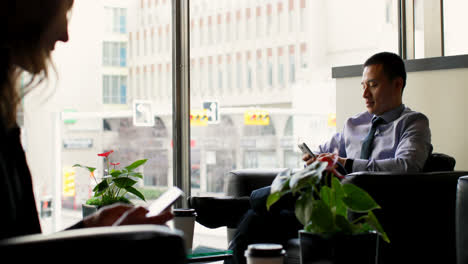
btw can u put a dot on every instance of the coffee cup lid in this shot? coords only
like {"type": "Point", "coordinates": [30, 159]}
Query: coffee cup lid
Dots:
{"type": "Point", "coordinates": [184, 212]}
{"type": "Point", "coordinates": [265, 250]}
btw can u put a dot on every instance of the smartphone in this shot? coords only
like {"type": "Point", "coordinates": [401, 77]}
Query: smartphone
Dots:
{"type": "Point", "coordinates": [164, 201]}
{"type": "Point", "coordinates": [306, 150]}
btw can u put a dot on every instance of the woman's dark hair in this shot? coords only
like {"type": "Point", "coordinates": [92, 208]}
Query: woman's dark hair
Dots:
{"type": "Point", "coordinates": [25, 22]}
{"type": "Point", "coordinates": [393, 65]}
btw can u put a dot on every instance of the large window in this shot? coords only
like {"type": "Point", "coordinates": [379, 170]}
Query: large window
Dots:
{"type": "Point", "coordinates": [282, 52]}
{"type": "Point", "coordinates": [455, 22]}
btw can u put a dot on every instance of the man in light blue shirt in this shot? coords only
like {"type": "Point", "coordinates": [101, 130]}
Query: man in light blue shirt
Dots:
{"type": "Point", "coordinates": [402, 140]}
{"type": "Point", "coordinates": [387, 137]}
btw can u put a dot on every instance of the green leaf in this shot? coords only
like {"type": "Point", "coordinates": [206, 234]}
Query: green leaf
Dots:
{"type": "Point", "coordinates": [116, 173]}
{"type": "Point", "coordinates": [338, 192]}
{"type": "Point", "coordinates": [325, 195]}
{"type": "Point", "coordinates": [304, 207]}
{"type": "Point", "coordinates": [357, 199]}
{"type": "Point", "coordinates": [281, 181]}
{"type": "Point", "coordinates": [343, 224]}
{"type": "Point", "coordinates": [136, 164]}
{"type": "Point", "coordinates": [272, 199]}
{"type": "Point", "coordinates": [124, 182]}
{"type": "Point", "coordinates": [136, 174]}
{"type": "Point", "coordinates": [90, 169]}
{"type": "Point", "coordinates": [322, 216]}
{"type": "Point", "coordinates": [100, 188]}
{"type": "Point", "coordinates": [374, 222]}
{"type": "Point", "coordinates": [307, 177]}
{"type": "Point", "coordinates": [130, 189]}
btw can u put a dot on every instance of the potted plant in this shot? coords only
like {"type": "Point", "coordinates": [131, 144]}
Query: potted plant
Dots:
{"type": "Point", "coordinates": [323, 206]}
{"type": "Point", "coordinates": [114, 185]}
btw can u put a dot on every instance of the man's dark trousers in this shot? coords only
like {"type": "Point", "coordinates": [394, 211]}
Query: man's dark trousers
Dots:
{"type": "Point", "coordinates": [262, 226]}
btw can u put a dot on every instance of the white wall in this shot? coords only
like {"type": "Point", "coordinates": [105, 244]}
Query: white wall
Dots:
{"type": "Point", "coordinates": [441, 95]}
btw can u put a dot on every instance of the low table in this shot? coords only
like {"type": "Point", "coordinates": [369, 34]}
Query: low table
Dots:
{"type": "Point", "coordinates": [203, 254]}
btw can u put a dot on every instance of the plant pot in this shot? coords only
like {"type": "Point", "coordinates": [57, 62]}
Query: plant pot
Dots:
{"type": "Point", "coordinates": [338, 249]}
{"type": "Point", "coordinates": [87, 209]}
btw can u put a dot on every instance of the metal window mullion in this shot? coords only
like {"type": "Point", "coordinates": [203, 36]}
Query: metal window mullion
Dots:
{"type": "Point", "coordinates": [181, 97]}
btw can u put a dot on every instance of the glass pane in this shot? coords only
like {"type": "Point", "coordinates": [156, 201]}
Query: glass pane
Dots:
{"type": "Point", "coordinates": [282, 52]}
{"type": "Point", "coordinates": [455, 21]}
{"type": "Point", "coordinates": [427, 28]}
{"type": "Point", "coordinates": [93, 111]}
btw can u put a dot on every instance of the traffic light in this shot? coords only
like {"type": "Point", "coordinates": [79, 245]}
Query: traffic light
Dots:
{"type": "Point", "coordinates": [257, 117]}
{"type": "Point", "coordinates": [69, 183]}
{"type": "Point", "coordinates": [332, 120]}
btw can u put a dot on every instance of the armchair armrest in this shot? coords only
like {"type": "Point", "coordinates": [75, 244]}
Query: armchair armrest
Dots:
{"type": "Point", "coordinates": [101, 243]}
{"type": "Point", "coordinates": [214, 212]}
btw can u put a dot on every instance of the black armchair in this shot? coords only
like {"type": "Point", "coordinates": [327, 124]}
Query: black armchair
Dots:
{"type": "Point", "coordinates": [418, 209]}
{"type": "Point", "coordinates": [109, 244]}
{"type": "Point", "coordinates": [461, 220]}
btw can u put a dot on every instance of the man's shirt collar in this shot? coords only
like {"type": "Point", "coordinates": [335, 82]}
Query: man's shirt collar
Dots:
{"type": "Point", "coordinates": [391, 115]}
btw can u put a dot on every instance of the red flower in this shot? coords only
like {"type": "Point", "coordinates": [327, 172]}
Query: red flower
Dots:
{"type": "Point", "coordinates": [332, 160]}
{"type": "Point", "coordinates": [115, 164]}
{"type": "Point", "coordinates": [106, 154]}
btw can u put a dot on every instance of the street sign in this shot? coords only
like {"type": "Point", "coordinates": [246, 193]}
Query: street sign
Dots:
{"type": "Point", "coordinates": [212, 111]}
{"type": "Point", "coordinates": [198, 117]}
{"type": "Point", "coordinates": [77, 143]}
{"type": "Point", "coordinates": [143, 113]}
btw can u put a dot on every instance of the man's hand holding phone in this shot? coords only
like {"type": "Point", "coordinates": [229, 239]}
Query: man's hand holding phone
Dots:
{"type": "Point", "coordinates": [308, 156]}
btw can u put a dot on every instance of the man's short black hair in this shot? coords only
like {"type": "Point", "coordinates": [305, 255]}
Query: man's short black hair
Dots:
{"type": "Point", "coordinates": [393, 65]}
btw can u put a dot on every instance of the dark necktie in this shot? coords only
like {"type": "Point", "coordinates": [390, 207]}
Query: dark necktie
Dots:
{"type": "Point", "coordinates": [366, 148]}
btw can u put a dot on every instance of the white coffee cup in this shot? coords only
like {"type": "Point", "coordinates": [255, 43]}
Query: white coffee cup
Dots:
{"type": "Point", "coordinates": [265, 254]}
{"type": "Point", "coordinates": [184, 220]}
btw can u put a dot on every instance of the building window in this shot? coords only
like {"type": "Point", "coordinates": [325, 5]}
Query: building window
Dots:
{"type": "Point", "coordinates": [228, 27]}
{"type": "Point", "coordinates": [168, 38]}
{"type": "Point", "coordinates": [218, 29]}
{"type": "Point", "coordinates": [291, 16]}
{"type": "Point", "coordinates": [292, 65]}
{"type": "Point", "coordinates": [114, 89]}
{"type": "Point", "coordinates": [238, 24]}
{"type": "Point", "coordinates": [220, 74]}
{"type": "Point", "coordinates": [249, 72]}
{"type": "Point", "coordinates": [303, 56]}
{"type": "Point", "coordinates": [210, 31]}
{"type": "Point", "coordinates": [117, 20]}
{"type": "Point", "coordinates": [279, 19]}
{"type": "Point", "coordinates": [270, 68]}
{"type": "Point", "coordinates": [210, 75]}
{"type": "Point", "coordinates": [228, 73]}
{"type": "Point", "coordinates": [302, 16]}
{"type": "Point", "coordinates": [159, 39]}
{"type": "Point", "coordinates": [258, 22]}
{"type": "Point", "coordinates": [238, 72]}
{"type": "Point", "coordinates": [269, 23]}
{"type": "Point", "coordinates": [259, 69]}
{"type": "Point", "coordinates": [201, 33]}
{"type": "Point", "coordinates": [248, 23]}
{"type": "Point", "coordinates": [114, 54]}
{"type": "Point", "coordinates": [280, 67]}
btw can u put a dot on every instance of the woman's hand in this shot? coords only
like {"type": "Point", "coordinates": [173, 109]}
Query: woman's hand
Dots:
{"type": "Point", "coordinates": [123, 214]}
